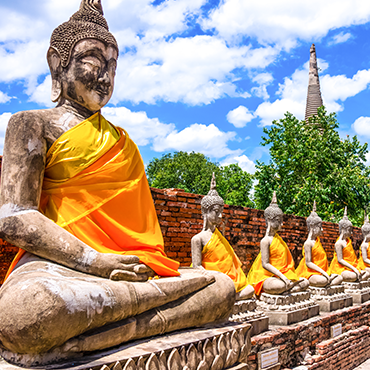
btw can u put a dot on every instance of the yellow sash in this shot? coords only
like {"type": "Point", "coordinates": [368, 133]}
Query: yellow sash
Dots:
{"type": "Point", "coordinates": [318, 257]}
{"type": "Point", "coordinates": [349, 255]}
{"type": "Point", "coordinates": [361, 263]}
{"type": "Point", "coordinates": [280, 258]}
{"type": "Point", "coordinates": [218, 255]}
{"type": "Point", "coordinates": [95, 187]}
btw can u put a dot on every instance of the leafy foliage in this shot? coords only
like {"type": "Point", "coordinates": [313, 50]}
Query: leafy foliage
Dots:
{"type": "Point", "coordinates": [192, 172]}
{"type": "Point", "coordinates": [310, 162]}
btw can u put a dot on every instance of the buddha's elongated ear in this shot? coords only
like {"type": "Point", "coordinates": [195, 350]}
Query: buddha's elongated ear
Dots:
{"type": "Point", "coordinates": [55, 66]}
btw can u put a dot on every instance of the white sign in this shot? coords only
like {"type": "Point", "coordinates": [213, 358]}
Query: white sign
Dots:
{"type": "Point", "coordinates": [269, 358]}
{"type": "Point", "coordinates": [336, 330]}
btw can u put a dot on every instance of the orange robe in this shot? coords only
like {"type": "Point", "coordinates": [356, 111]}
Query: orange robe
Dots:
{"type": "Point", "coordinates": [318, 257]}
{"type": "Point", "coordinates": [349, 255]}
{"type": "Point", "coordinates": [361, 263]}
{"type": "Point", "coordinates": [218, 255]}
{"type": "Point", "coordinates": [280, 258]}
{"type": "Point", "coordinates": [95, 187]}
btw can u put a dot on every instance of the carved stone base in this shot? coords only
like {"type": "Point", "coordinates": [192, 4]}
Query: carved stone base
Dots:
{"type": "Point", "coordinates": [214, 348]}
{"type": "Point", "coordinates": [360, 292]}
{"type": "Point", "coordinates": [246, 311]}
{"type": "Point", "coordinates": [288, 309]}
{"type": "Point", "coordinates": [331, 298]}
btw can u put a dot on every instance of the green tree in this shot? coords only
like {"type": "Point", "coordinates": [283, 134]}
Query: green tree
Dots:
{"type": "Point", "coordinates": [193, 172]}
{"type": "Point", "coordinates": [310, 162]}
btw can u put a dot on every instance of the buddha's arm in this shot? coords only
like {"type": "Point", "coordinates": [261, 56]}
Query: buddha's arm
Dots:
{"type": "Point", "coordinates": [308, 260]}
{"type": "Point", "coordinates": [339, 250]}
{"type": "Point", "coordinates": [265, 259]}
{"type": "Point", "coordinates": [365, 257]}
{"type": "Point", "coordinates": [24, 226]}
{"type": "Point", "coordinates": [196, 251]}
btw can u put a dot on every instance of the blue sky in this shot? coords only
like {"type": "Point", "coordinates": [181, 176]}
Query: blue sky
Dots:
{"type": "Point", "coordinates": [203, 75]}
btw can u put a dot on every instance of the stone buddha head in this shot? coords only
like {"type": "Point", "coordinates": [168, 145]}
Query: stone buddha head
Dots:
{"type": "Point", "coordinates": [274, 215]}
{"type": "Point", "coordinates": [366, 228]}
{"type": "Point", "coordinates": [314, 223]}
{"type": "Point", "coordinates": [212, 206]}
{"type": "Point", "coordinates": [345, 225]}
{"type": "Point", "coordinates": [82, 58]}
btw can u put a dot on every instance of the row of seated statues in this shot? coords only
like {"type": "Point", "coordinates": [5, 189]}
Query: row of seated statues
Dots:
{"type": "Point", "coordinates": [273, 270]}
{"type": "Point", "coordinates": [91, 272]}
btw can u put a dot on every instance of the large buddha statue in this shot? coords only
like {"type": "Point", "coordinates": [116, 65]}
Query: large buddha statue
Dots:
{"type": "Point", "coordinates": [314, 263]}
{"type": "Point", "coordinates": [273, 270]}
{"type": "Point", "coordinates": [345, 262]}
{"type": "Point", "coordinates": [364, 261]}
{"type": "Point", "coordinates": [75, 199]}
{"type": "Point", "coordinates": [212, 251]}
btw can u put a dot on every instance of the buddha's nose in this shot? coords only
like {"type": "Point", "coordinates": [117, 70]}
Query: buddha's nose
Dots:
{"type": "Point", "coordinates": [105, 79]}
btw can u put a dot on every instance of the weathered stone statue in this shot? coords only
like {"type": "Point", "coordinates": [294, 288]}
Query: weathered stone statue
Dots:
{"type": "Point", "coordinates": [212, 251]}
{"type": "Point", "coordinates": [364, 261]}
{"type": "Point", "coordinates": [326, 289]}
{"type": "Point", "coordinates": [346, 264]}
{"type": "Point", "coordinates": [273, 270]}
{"type": "Point", "coordinates": [314, 264]}
{"type": "Point", "coordinates": [75, 199]}
{"type": "Point", "coordinates": [283, 295]}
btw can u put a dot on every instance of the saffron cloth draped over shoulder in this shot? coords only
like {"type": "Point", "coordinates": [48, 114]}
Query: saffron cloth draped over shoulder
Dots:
{"type": "Point", "coordinates": [280, 258]}
{"type": "Point", "coordinates": [95, 187]}
{"type": "Point", "coordinates": [218, 255]}
{"type": "Point", "coordinates": [349, 255]}
{"type": "Point", "coordinates": [362, 265]}
{"type": "Point", "coordinates": [318, 257]}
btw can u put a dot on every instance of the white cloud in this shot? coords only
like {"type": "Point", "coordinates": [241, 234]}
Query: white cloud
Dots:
{"type": "Point", "coordinates": [368, 159]}
{"type": "Point", "coordinates": [240, 116]}
{"type": "Point", "coordinates": [340, 38]}
{"type": "Point", "coordinates": [263, 79]}
{"type": "Point", "coordinates": [243, 161]}
{"type": "Point", "coordinates": [209, 140]}
{"type": "Point", "coordinates": [362, 126]}
{"type": "Point", "coordinates": [4, 119]}
{"type": "Point", "coordinates": [41, 93]}
{"type": "Point", "coordinates": [194, 70]}
{"type": "Point", "coordinates": [4, 98]}
{"type": "Point", "coordinates": [142, 129]}
{"type": "Point", "coordinates": [285, 21]}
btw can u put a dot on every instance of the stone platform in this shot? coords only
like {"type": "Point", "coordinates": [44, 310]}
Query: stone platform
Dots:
{"type": "Point", "coordinates": [331, 298]}
{"type": "Point", "coordinates": [287, 309]}
{"type": "Point", "coordinates": [360, 292]}
{"type": "Point", "coordinates": [247, 311]}
{"type": "Point", "coordinates": [206, 348]}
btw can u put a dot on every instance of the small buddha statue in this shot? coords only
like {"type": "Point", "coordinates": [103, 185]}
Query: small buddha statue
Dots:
{"type": "Point", "coordinates": [273, 270]}
{"type": "Point", "coordinates": [212, 251]}
{"type": "Point", "coordinates": [345, 262]}
{"type": "Point", "coordinates": [314, 263]}
{"type": "Point", "coordinates": [364, 261]}
{"type": "Point", "coordinates": [75, 199]}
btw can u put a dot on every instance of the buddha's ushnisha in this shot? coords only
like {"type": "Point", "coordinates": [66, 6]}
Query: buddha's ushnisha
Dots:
{"type": "Point", "coordinates": [273, 270]}
{"type": "Point", "coordinates": [345, 262]}
{"type": "Point", "coordinates": [314, 263]}
{"type": "Point", "coordinates": [212, 251]}
{"type": "Point", "coordinates": [74, 197]}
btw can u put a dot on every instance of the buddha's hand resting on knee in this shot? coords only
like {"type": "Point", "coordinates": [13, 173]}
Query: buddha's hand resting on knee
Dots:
{"type": "Point", "coordinates": [118, 267]}
{"type": "Point", "coordinates": [288, 284]}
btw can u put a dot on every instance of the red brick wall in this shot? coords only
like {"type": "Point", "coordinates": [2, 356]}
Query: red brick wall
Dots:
{"type": "Point", "coordinates": [180, 218]}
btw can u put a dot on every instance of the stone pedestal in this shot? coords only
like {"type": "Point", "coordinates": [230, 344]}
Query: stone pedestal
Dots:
{"type": "Point", "coordinates": [246, 311]}
{"type": "Point", "coordinates": [221, 347]}
{"type": "Point", "coordinates": [331, 298]}
{"type": "Point", "coordinates": [360, 292]}
{"type": "Point", "coordinates": [288, 309]}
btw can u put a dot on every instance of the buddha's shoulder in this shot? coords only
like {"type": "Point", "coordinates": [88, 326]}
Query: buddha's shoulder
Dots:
{"type": "Point", "coordinates": [33, 118]}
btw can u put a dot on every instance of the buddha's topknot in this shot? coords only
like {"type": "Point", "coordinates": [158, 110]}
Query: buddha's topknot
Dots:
{"type": "Point", "coordinates": [212, 198]}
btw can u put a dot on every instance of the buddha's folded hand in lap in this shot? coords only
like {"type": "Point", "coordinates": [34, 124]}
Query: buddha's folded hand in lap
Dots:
{"type": "Point", "coordinates": [364, 260]}
{"type": "Point", "coordinates": [76, 201]}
